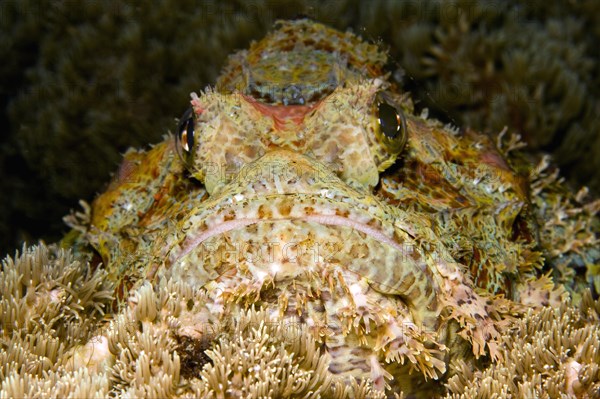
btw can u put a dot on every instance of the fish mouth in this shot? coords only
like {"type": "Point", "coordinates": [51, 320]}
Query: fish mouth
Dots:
{"type": "Point", "coordinates": [328, 220]}
{"type": "Point", "coordinates": [302, 206]}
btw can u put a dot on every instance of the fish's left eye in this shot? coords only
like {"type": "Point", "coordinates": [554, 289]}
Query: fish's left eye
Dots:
{"type": "Point", "coordinates": [392, 123]}
{"type": "Point", "coordinates": [389, 120]}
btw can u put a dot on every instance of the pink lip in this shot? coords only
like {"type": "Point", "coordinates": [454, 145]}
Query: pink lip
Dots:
{"type": "Point", "coordinates": [330, 220]}
{"type": "Point", "coordinates": [211, 232]}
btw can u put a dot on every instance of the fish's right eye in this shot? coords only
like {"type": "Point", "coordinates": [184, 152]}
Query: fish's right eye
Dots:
{"type": "Point", "coordinates": [185, 132]}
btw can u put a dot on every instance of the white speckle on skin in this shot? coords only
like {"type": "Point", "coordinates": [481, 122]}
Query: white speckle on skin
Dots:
{"type": "Point", "coordinates": [357, 293]}
{"type": "Point", "coordinates": [260, 275]}
{"type": "Point", "coordinates": [326, 193]}
{"type": "Point", "coordinates": [278, 186]}
{"type": "Point", "coordinates": [355, 289]}
{"type": "Point", "coordinates": [275, 268]}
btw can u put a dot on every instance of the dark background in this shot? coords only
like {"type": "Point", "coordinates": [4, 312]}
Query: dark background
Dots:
{"type": "Point", "coordinates": [81, 81]}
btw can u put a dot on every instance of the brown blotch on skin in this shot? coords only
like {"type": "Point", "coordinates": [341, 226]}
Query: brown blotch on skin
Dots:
{"type": "Point", "coordinates": [428, 290]}
{"type": "Point", "coordinates": [285, 208]}
{"type": "Point", "coordinates": [414, 255]}
{"type": "Point", "coordinates": [413, 294]}
{"type": "Point", "coordinates": [438, 194]}
{"type": "Point", "coordinates": [229, 216]}
{"type": "Point", "coordinates": [408, 281]}
{"type": "Point", "coordinates": [250, 152]}
{"type": "Point", "coordinates": [359, 251]}
{"type": "Point", "coordinates": [264, 212]}
{"type": "Point", "coordinates": [375, 223]}
{"type": "Point", "coordinates": [342, 212]}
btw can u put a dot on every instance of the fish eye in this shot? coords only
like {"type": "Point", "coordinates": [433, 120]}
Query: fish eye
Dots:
{"type": "Point", "coordinates": [185, 131]}
{"type": "Point", "coordinates": [391, 122]}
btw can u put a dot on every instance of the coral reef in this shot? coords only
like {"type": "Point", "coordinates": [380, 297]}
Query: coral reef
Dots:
{"type": "Point", "coordinates": [550, 353]}
{"type": "Point", "coordinates": [50, 303]}
{"type": "Point", "coordinates": [568, 228]}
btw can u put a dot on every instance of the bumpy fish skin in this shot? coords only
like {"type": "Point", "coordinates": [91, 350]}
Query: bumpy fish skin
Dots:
{"type": "Point", "coordinates": [397, 252]}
